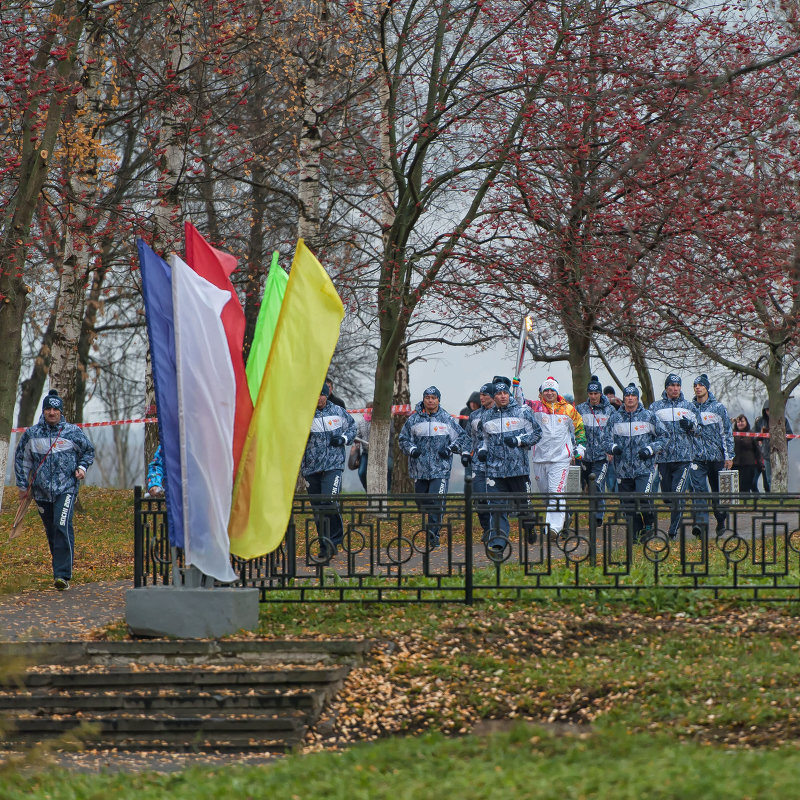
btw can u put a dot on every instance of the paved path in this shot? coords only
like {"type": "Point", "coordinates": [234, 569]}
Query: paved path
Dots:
{"type": "Point", "coordinates": [72, 614]}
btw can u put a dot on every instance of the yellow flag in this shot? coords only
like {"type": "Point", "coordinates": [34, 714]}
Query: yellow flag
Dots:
{"type": "Point", "coordinates": [302, 347]}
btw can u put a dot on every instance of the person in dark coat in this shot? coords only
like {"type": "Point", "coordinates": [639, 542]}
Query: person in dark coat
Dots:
{"type": "Point", "coordinates": [473, 404]}
{"type": "Point", "coordinates": [747, 457]}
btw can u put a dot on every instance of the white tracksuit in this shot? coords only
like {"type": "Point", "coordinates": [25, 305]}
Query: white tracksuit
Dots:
{"type": "Point", "coordinates": [561, 426]}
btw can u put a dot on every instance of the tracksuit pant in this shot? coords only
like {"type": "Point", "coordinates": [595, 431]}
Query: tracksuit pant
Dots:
{"type": "Point", "coordinates": [642, 512]}
{"type": "Point", "coordinates": [705, 474]}
{"type": "Point", "coordinates": [675, 478]}
{"type": "Point", "coordinates": [551, 479]}
{"type": "Point", "coordinates": [481, 506]}
{"type": "Point", "coordinates": [57, 519]}
{"type": "Point", "coordinates": [516, 484]}
{"type": "Point", "coordinates": [322, 485]}
{"type": "Point", "coordinates": [431, 494]}
{"type": "Point", "coordinates": [596, 467]}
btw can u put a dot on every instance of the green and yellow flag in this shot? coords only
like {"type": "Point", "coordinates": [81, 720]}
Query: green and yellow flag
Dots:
{"type": "Point", "coordinates": [274, 290]}
{"type": "Point", "coordinates": [300, 354]}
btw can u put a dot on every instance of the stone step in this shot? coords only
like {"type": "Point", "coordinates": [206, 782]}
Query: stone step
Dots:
{"type": "Point", "coordinates": [132, 678]}
{"type": "Point", "coordinates": [158, 731]}
{"type": "Point", "coordinates": [186, 700]}
{"type": "Point", "coordinates": [189, 695]}
{"type": "Point", "coordinates": [187, 651]}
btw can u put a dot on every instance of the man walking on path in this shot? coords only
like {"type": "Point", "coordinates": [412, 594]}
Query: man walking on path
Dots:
{"type": "Point", "coordinates": [563, 438]}
{"type": "Point", "coordinates": [632, 438]}
{"type": "Point", "coordinates": [475, 431]}
{"type": "Point", "coordinates": [712, 452]}
{"type": "Point", "coordinates": [680, 419]}
{"type": "Point", "coordinates": [50, 461]}
{"type": "Point", "coordinates": [508, 430]}
{"type": "Point", "coordinates": [595, 413]}
{"type": "Point", "coordinates": [429, 438]}
{"type": "Point", "coordinates": [332, 429]}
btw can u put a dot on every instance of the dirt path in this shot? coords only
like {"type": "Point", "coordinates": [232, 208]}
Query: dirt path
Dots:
{"type": "Point", "coordinates": [72, 614]}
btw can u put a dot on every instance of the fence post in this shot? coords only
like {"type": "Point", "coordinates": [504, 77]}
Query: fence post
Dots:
{"type": "Point", "coordinates": [468, 536]}
{"type": "Point", "coordinates": [138, 539]}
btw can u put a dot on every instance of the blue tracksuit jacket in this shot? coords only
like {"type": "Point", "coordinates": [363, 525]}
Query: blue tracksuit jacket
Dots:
{"type": "Point", "coordinates": [713, 440]}
{"type": "Point", "coordinates": [677, 445]}
{"type": "Point", "coordinates": [431, 433]}
{"type": "Point", "coordinates": [67, 448]}
{"type": "Point", "coordinates": [320, 454]}
{"type": "Point", "coordinates": [595, 419]}
{"type": "Point", "coordinates": [514, 419]}
{"type": "Point", "coordinates": [476, 439]}
{"type": "Point", "coordinates": [632, 431]}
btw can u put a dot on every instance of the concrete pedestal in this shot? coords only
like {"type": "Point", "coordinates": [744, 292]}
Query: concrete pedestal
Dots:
{"type": "Point", "coordinates": [190, 613]}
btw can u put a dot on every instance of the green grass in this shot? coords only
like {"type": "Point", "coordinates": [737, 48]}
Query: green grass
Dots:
{"type": "Point", "coordinates": [663, 693]}
{"type": "Point", "coordinates": [525, 762]}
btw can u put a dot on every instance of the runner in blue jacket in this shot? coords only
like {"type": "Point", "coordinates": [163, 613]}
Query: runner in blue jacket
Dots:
{"type": "Point", "coordinates": [674, 457]}
{"type": "Point", "coordinates": [633, 436]}
{"type": "Point", "coordinates": [509, 430]}
{"type": "Point", "coordinates": [429, 438]}
{"type": "Point", "coordinates": [474, 429]}
{"type": "Point", "coordinates": [712, 452]}
{"type": "Point", "coordinates": [595, 412]}
{"type": "Point", "coordinates": [332, 429]}
{"type": "Point", "coordinates": [51, 459]}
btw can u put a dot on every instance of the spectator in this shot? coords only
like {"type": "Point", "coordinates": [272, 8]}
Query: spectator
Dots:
{"type": "Point", "coordinates": [507, 429]}
{"type": "Point", "coordinates": [331, 396]}
{"type": "Point", "coordinates": [747, 456]}
{"type": "Point", "coordinates": [429, 438]}
{"type": "Point", "coordinates": [563, 438]}
{"type": "Point", "coordinates": [51, 459]}
{"type": "Point", "coordinates": [712, 451]}
{"type": "Point", "coordinates": [364, 425]}
{"type": "Point", "coordinates": [611, 395]}
{"type": "Point", "coordinates": [632, 439]}
{"type": "Point", "coordinates": [595, 413]}
{"type": "Point", "coordinates": [473, 404]}
{"type": "Point", "coordinates": [332, 429]}
{"type": "Point", "coordinates": [475, 430]}
{"type": "Point", "coordinates": [680, 419]}
{"type": "Point", "coordinates": [761, 425]}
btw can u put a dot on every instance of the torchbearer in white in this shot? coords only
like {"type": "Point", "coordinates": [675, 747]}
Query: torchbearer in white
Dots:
{"type": "Point", "coordinates": [561, 425]}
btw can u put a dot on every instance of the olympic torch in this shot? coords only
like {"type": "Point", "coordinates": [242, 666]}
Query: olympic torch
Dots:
{"type": "Point", "coordinates": [525, 328]}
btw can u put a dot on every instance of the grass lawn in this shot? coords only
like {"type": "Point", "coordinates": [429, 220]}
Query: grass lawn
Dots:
{"type": "Point", "coordinates": [662, 695]}
{"type": "Point", "coordinates": [525, 762]}
{"type": "Point", "coordinates": [103, 541]}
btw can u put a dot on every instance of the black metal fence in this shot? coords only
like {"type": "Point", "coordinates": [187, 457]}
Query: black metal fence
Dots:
{"type": "Point", "coordinates": [389, 555]}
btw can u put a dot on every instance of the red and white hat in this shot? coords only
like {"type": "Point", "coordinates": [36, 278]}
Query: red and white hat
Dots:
{"type": "Point", "coordinates": [550, 383]}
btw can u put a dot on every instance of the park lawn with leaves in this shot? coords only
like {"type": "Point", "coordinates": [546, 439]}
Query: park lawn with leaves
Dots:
{"type": "Point", "coordinates": [523, 762]}
{"type": "Point", "coordinates": [726, 674]}
{"type": "Point", "coordinates": [665, 692]}
{"type": "Point", "coordinates": [103, 541]}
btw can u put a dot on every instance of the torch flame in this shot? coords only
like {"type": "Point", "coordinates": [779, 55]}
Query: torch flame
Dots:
{"type": "Point", "coordinates": [529, 323]}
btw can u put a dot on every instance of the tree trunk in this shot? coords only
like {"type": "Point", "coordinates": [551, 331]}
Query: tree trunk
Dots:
{"type": "Point", "coordinates": [579, 343]}
{"type": "Point", "coordinates": [255, 254]}
{"type": "Point", "coordinates": [401, 482]}
{"type": "Point", "coordinates": [168, 212]}
{"type": "Point", "coordinates": [33, 385]}
{"type": "Point", "coordinates": [93, 306]}
{"type": "Point", "coordinates": [646, 390]}
{"type": "Point", "coordinates": [80, 227]}
{"type": "Point", "coordinates": [37, 139]}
